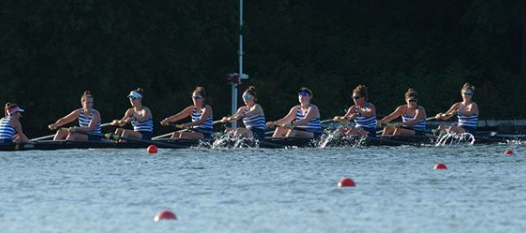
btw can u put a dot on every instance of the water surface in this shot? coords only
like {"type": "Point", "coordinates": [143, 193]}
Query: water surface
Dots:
{"type": "Point", "coordinates": [265, 190]}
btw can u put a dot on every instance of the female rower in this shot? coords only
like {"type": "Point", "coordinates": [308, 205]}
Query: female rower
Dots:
{"type": "Point", "coordinates": [252, 115]}
{"type": "Point", "coordinates": [303, 120]}
{"type": "Point", "coordinates": [10, 127]}
{"type": "Point", "coordinates": [413, 117]}
{"type": "Point", "coordinates": [139, 116]}
{"type": "Point", "coordinates": [89, 121]}
{"type": "Point", "coordinates": [201, 125]}
{"type": "Point", "coordinates": [467, 113]}
{"type": "Point", "coordinates": [362, 112]}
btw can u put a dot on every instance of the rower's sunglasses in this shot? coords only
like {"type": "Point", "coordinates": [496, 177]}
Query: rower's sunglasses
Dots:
{"type": "Point", "coordinates": [197, 97]}
{"type": "Point", "coordinates": [356, 97]}
{"type": "Point", "coordinates": [468, 93]}
{"type": "Point", "coordinates": [247, 96]}
{"type": "Point", "coordinates": [303, 93]}
{"type": "Point", "coordinates": [413, 100]}
{"type": "Point", "coordinates": [132, 98]}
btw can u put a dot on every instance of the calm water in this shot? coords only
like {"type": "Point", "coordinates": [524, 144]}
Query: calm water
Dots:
{"type": "Point", "coordinates": [265, 190]}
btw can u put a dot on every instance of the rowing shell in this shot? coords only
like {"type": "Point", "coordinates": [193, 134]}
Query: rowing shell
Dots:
{"type": "Point", "coordinates": [267, 143]}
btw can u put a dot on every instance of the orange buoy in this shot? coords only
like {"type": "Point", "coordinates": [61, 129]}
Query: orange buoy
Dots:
{"type": "Point", "coordinates": [346, 182]}
{"type": "Point", "coordinates": [165, 215]}
{"type": "Point", "coordinates": [151, 149]}
{"type": "Point", "coordinates": [440, 166]}
{"type": "Point", "coordinates": [508, 152]}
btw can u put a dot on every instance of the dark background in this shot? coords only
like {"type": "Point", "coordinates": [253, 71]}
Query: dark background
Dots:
{"type": "Point", "coordinates": [51, 51]}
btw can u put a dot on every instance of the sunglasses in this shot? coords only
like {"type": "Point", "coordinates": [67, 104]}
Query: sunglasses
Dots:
{"type": "Point", "coordinates": [413, 100]}
{"type": "Point", "coordinates": [303, 94]}
{"type": "Point", "coordinates": [468, 93]}
{"type": "Point", "coordinates": [132, 98]}
{"type": "Point", "coordinates": [196, 97]}
{"type": "Point", "coordinates": [356, 97]}
{"type": "Point", "coordinates": [247, 96]}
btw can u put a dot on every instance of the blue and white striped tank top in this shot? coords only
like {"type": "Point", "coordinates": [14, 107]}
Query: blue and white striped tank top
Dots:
{"type": "Point", "coordinates": [85, 120]}
{"type": "Point", "coordinates": [6, 130]}
{"type": "Point", "coordinates": [208, 124]}
{"type": "Point", "coordinates": [313, 126]}
{"type": "Point", "coordinates": [421, 125]}
{"type": "Point", "coordinates": [467, 121]}
{"type": "Point", "coordinates": [365, 122]}
{"type": "Point", "coordinates": [146, 126]}
{"type": "Point", "coordinates": [255, 122]}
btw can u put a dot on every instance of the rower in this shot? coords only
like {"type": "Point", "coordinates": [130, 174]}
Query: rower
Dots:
{"type": "Point", "coordinates": [139, 116]}
{"type": "Point", "coordinates": [10, 126]}
{"type": "Point", "coordinates": [466, 111]}
{"type": "Point", "coordinates": [252, 115]}
{"type": "Point", "coordinates": [302, 121]}
{"type": "Point", "coordinates": [413, 117]}
{"type": "Point", "coordinates": [89, 121]}
{"type": "Point", "coordinates": [201, 125]}
{"type": "Point", "coordinates": [362, 112]}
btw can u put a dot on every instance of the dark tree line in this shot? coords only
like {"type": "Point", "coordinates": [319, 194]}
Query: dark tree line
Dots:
{"type": "Point", "coordinates": [51, 51]}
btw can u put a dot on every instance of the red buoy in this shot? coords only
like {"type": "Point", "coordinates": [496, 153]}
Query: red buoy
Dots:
{"type": "Point", "coordinates": [346, 182]}
{"type": "Point", "coordinates": [440, 166]}
{"type": "Point", "coordinates": [151, 149]}
{"type": "Point", "coordinates": [165, 215]}
{"type": "Point", "coordinates": [508, 152]}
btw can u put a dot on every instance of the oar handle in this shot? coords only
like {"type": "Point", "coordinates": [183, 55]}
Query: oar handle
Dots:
{"type": "Point", "coordinates": [224, 120]}
{"type": "Point", "coordinates": [119, 123]}
{"type": "Point", "coordinates": [441, 115]}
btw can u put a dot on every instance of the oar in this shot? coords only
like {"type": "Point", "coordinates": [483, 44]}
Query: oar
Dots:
{"type": "Point", "coordinates": [223, 120]}
{"type": "Point", "coordinates": [327, 121]}
{"type": "Point", "coordinates": [180, 126]}
{"type": "Point", "coordinates": [53, 135]}
{"type": "Point", "coordinates": [298, 128]}
{"type": "Point", "coordinates": [118, 137]}
{"type": "Point", "coordinates": [433, 131]}
{"type": "Point", "coordinates": [162, 136]}
{"type": "Point", "coordinates": [433, 118]}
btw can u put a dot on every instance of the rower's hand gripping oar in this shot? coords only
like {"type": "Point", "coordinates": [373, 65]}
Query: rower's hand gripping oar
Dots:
{"type": "Point", "coordinates": [119, 123]}
{"type": "Point", "coordinates": [229, 119]}
{"type": "Point", "coordinates": [438, 116]}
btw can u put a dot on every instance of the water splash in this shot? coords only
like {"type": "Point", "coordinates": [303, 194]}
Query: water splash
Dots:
{"type": "Point", "coordinates": [449, 138]}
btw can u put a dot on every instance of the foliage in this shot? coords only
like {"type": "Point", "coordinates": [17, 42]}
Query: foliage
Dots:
{"type": "Point", "coordinates": [51, 51]}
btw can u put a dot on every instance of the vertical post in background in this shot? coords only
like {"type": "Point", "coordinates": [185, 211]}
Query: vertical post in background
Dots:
{"type": "Point", "coordinates": [240, 73]}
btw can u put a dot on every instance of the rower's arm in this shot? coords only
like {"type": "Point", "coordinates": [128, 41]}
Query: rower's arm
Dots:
{"type": "Point", "coordinates": [95, 121]}
{"type": "Point", "coordinates": [313, 112]}
{"type": "Point", "coordinates": [181, 115]}
{"type": "Point", "coordinates": [369, 111]}
{"type": "Point", "coordinates": [419, 114]}
{"type": "Point", "coordinates": [473, 111]}
{"type": "Point", "coordinates": [350, 113]}
{"type": "Point", "coordinates": [391, 116]}
{"type": "Point", "coordinates": [207, 112]}
{"type": "Point", "coordinates": [288, 118]}
{"type": "Point", "coordinates": [66, 119]}
{"type": "Point", "coordinates": [18, 127]}
{"type": "Point", "coordinates": [147, 114]}
{"type": "Point", "coordinates": [450, 113]}
{"type": "Point", "coordinates": [256, 110]}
